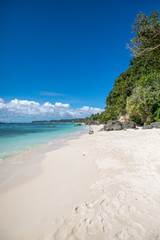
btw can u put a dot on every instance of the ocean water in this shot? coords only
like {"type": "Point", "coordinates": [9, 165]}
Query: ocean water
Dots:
{"type": "Point", "coordinates": [16, 138]}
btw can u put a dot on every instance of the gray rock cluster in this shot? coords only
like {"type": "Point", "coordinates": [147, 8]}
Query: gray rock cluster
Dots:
{"type": "Point", "coordinates": [92, 122]}
{"type": "Point", "coordinates": [78, 125]}
{"type": "Point", "coordinates": [116, 125]}
{"type": "Point", "coordinates": [91, 132]}
{"type": "Point", "coordinates": [152, 125]}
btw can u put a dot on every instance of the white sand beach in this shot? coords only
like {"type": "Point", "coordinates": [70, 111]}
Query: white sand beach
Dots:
{"type": "Point", "coordinates": [100, 186]}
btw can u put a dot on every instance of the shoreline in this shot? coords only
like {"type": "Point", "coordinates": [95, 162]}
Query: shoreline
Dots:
{"type": "Point", "coordinates": [99, 186]}
{"type": "Point", "coordinates": [40, 145]}
{"type": "Point", "coordinates": [26, 205]}
{"type": "Point", "coordinates": [31, 158]}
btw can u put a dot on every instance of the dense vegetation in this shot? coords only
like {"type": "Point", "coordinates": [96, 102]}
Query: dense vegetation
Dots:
{"type": "Point", "coordinates": [136, 92]}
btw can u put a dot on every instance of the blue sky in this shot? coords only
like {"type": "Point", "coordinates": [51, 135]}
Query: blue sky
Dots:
{"type": "Point", "coordinates": [68, 51]}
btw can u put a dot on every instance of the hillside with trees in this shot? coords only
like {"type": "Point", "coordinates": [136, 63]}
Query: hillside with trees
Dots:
{"type": "Point", "coordinates": [136, 91]}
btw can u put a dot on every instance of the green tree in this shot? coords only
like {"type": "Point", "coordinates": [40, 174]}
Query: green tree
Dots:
{"type": "Point", "coordinates": [147, 35]}
{"type": "Point", "coordinates": [137, 90]}
{"type": "Point", "coordinates": [143, 103]}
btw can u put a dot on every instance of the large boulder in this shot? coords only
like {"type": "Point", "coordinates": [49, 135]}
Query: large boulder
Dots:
{"type": "Point", "coordinates": [113, 126]}
{"type": "Point", "coordinates": [128, 124]}
{"type": "Point", "coordinates": [117, 125]}
{"type": "Point", "coordinates": [92, 122]}
{"type": "Point", "coordinates": [91, 132]}
{"type": "Point", "coordinates": [147, 127]}
{"type": "Point", "coordinates": [155, 125]}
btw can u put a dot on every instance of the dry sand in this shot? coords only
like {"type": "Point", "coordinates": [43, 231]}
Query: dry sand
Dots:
{"type": "Point", "coordinates": [100, 186]}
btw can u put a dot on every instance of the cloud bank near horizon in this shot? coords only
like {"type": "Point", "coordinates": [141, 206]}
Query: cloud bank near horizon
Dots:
{"type": "Point", "coordinates": [51, 94]}
{"type": "Point", "coordinates": [24, 109]}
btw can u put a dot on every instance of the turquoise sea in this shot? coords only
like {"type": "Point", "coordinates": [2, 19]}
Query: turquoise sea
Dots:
{"type": "Point", "coordinates": [17, 138]}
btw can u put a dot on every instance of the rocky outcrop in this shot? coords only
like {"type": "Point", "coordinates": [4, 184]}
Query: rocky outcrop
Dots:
{"type": "Point", "coordinates": [152, 125]}
{"type": "Point", "coordinates": [91, 132]}
{"type": "Point", "coordinates": [78, 125]}
{"type": "Point", "coordinates": [113, 126]}
{"type": "Point", "coordinates": [92, 122]}
{"type": "Point", "coordinates": [128, 124]}
{"type": "Point", "coordinates": [155, 125]}
{"type": "Point", "coordinates": [124, 118]}
{"type": "Point", "coordinates": [147, 127]}
{"type": "Point", "coordinates": [117, 125]}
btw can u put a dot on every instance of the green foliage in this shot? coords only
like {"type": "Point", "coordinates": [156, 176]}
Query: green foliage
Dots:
{"type": "Point", "coordinates": [137, 90]}
{"type": "Point", "coordinates": [143, 103]}
{"type": "Point", "coordinates": [94, 116]}
{"type": "Point", "coordinates": [137, 75]}
{"type": "Point", "coordinates": [136, 119]}
{"type": "Point", "coordinates": [157, 115]}
{"type": "Point", "coordinates": [147, 35]}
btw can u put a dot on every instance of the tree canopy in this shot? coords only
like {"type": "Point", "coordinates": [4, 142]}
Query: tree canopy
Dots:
{"type": "Point", "coordinates": [147, 35]}
{"type": "Point", "coordinates": [137, 90]}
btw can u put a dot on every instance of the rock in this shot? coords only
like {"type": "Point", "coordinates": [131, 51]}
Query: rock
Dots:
{"type": "Point", "coordinates": [155, 125]}
{"type": "Point", "coordinates": [92, 122]}
{"type": "Point", "coordinates": [96, 123]}
{"type": "Point", "coordinates": [91, 132]}
{"type": "Point", "coordinates": [117, 125]}
{"type": "Point", "coordinates": [101, 130]}
{"type": "Point", "coordinates": [127, 124]}
{"type": "Point", "coordinates": [78, 124]}
{"type": "Point", "coordinates": [124, 118]}
{"type": "Point", "coordinates": [113, 126]}
{"type": "Point", "coordinates": [152, 125]}
{"type": "Point", "coordinates": [147, 127]}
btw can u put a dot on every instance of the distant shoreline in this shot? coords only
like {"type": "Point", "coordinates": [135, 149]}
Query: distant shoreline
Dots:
{"type": "Point", "coordinates": [78, 120]}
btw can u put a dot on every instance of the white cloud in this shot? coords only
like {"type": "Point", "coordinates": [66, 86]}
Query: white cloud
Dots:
{"type": "Point", "coordinates": [17, 109]}
{"type": "Point", "coordinates": [1, 100]}
{"type": "Point", "coordinates": [58, 104]}
{"type": "Point", "coordinates": [51, 94]}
